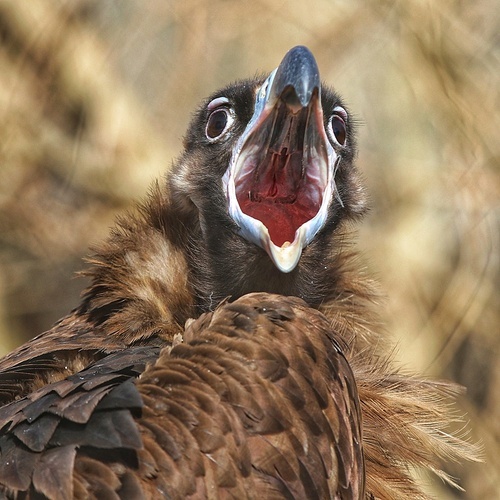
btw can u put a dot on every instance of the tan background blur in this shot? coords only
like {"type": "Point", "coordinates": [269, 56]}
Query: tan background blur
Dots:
{"type": "Point", "coordinates": [95, 97]}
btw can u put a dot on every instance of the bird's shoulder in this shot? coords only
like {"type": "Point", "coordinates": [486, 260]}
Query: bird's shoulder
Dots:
{"type": "Point", "coordinates": [258, 397]}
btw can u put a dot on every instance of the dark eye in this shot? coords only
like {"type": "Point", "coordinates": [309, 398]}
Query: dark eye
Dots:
{"type": "Point", "coordinates": [338, 128]}
{"type": "Point", "coordinates": [218, 122]}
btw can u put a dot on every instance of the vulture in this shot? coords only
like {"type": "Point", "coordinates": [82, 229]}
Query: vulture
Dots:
{"type": "Point", "coordinates": [227, 344]}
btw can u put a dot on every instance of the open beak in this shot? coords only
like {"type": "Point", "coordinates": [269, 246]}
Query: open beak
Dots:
{"type": "Point", "coordinates": [281, 177]}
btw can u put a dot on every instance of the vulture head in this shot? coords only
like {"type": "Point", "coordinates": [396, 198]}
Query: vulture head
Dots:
{"type": "Point", "coordinates": [267, 179]}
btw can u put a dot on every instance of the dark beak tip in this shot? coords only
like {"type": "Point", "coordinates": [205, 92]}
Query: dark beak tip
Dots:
{"type": "Point", "coordinates": [298, 71]}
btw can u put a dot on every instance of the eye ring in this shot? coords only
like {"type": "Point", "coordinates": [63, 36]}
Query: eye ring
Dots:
{"type": "Point", "coordinates": [218, 123]}
{"type": "Point", "coordinates": [337, 126]}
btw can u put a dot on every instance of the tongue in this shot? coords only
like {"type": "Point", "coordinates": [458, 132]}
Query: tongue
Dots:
{"type": "Point", "coordinates": [281, 219]}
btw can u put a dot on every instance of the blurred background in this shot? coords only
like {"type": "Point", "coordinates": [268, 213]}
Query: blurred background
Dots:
{"type": "Point", "coordinates": [95, 97]}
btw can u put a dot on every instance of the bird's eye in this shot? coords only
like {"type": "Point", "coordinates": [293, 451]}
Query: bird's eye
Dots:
{"type": "Point", "coordinates": [218, 123]}
{"type": "Point", "coordinates": [338, 127]}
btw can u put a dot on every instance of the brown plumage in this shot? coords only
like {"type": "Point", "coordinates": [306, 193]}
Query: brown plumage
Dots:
{"type": "Point", "coordinates": [244, 404]}
{"type": "Point", "coordinates": [267, 394]}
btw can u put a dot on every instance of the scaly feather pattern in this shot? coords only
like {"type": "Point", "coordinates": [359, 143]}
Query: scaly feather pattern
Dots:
{"type": "Point", "coordinates": [257, 401]}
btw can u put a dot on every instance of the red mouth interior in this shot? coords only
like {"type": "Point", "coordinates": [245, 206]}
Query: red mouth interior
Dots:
{"type": "Point", "coordinates": [277, 194]}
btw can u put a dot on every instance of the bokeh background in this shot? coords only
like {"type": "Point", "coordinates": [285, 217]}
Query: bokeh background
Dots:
{"type": "Point", "coordinates": [95, 97]}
